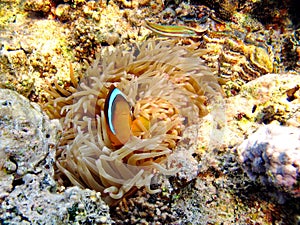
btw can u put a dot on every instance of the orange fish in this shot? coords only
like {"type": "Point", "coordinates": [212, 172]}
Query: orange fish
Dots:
{"type": "Point", "coordinates": [118, 117]}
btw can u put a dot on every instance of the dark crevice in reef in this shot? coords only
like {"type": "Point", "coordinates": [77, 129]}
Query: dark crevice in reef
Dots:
{"type": "Point", "coordinates": [17, 182]}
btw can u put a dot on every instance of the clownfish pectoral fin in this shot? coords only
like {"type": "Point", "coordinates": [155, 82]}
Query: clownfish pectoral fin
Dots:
{"type": "Point", "coordinates": [118, 117]}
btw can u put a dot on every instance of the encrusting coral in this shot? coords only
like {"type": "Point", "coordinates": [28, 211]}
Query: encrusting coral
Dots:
{"type": "Point", "coordinates": [168, 88]}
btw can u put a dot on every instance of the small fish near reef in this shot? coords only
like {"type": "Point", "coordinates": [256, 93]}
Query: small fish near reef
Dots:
{"type": "Point", "coordinates": [236, 55]}
{"type": "Point", "coordinates": [174, 31]}
{"type": "Point", "coordinates": [125, 118]}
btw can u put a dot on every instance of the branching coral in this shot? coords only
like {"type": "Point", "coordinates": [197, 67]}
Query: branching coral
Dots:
{"type": "Point", "coordinates": [169, 89]}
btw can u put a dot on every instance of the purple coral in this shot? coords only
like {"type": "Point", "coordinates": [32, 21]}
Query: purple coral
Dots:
{"type": "Point", "coordinates": [271, 156]}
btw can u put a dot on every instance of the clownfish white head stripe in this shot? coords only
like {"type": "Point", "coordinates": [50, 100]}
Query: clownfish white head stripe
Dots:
{"type": "Point", "coordinates": [113, 99]}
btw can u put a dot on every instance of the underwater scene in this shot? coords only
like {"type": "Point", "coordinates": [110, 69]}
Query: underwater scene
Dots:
{"type": "Point", "coordinates": [150, 112]}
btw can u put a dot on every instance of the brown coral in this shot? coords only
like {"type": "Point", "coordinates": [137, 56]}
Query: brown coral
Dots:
{"type": "Point", "coordinates": [167, 85]}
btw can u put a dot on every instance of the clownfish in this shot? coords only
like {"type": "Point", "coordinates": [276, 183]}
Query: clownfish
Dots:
{"type": "Point", "coordinates": [120, 124]}
{"type": "Point", "coordinates": [118, 117]}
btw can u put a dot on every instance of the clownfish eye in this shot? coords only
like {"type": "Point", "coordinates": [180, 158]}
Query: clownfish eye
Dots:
{"type": "Point", "coordinates": [118, 117]}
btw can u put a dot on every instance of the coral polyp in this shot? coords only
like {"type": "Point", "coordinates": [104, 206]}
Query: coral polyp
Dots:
{"type": "Point", "coordinates": [168, 89]}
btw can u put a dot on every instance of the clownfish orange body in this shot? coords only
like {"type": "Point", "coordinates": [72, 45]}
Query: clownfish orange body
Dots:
{"type": "Point", "coordinates": [118, 117]}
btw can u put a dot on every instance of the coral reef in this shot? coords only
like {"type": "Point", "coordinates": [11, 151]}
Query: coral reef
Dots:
{"type": "Point", "coordinates": [37, 45]}
{"type": "Point", "coordinates": [24, 64]}
{"type": "Point", "coordinates": [169, 95]}
{"type": "Point", "coordinates": [271, 156]}
{"type": "Point", "coordinates": [42, 41]}
{"type": "Point", "coordinates": [237, 51]}
{"type": "Point", "coordinates": [240, 48]}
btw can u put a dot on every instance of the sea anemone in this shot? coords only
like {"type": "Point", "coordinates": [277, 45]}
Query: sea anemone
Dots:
{"type": "Point", "coordinates": [168, 88]}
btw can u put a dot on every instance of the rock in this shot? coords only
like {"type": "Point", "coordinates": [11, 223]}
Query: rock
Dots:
{"type": "Point", "coordinates": [13, 67]}
{"type": "Point", "coordinates": [38, 6]}
{"type": "Point", "coordinates": [26, 134]}
{"type": "Point", "coordinates": [27, 154]}
{"type": "Point", "coordinates": [271, 157]}
{"type": "Point", "coordinates": [262, 101]}
{"type": "Point", "coordinates": [62, 11]}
